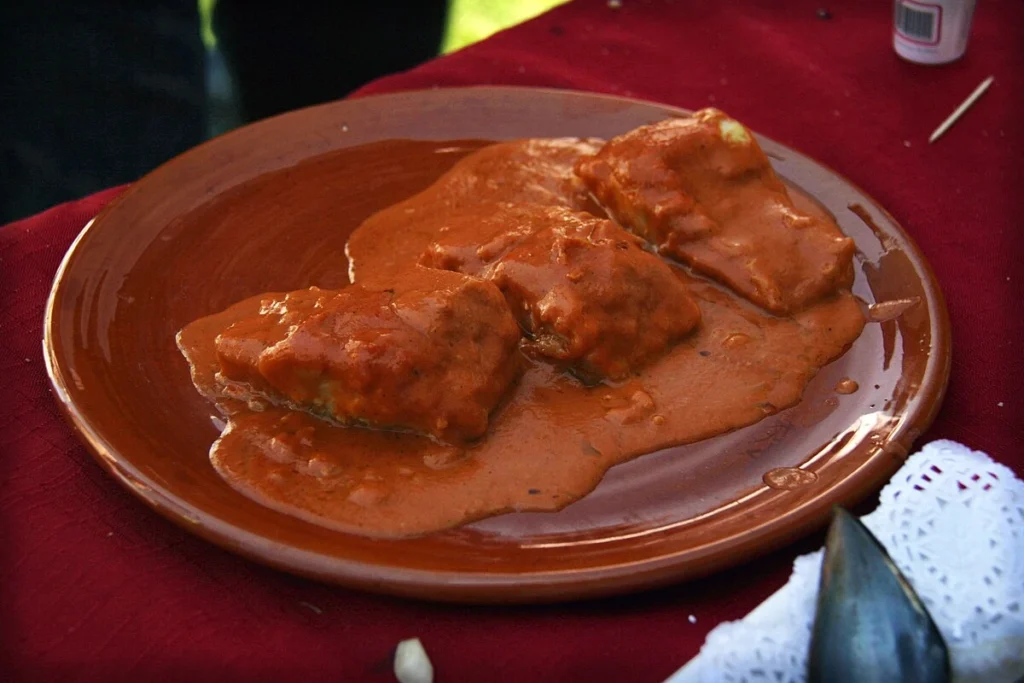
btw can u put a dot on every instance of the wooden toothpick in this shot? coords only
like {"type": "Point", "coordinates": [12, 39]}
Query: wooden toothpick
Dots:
{"type": "Point", "coordinates": [971, 99]}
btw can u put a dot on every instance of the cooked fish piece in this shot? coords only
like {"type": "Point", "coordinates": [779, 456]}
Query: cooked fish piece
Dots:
{"type": "Point", "coordinates": [701, 190]}
{"type": "Point", "coordinates": [584, 289]}
{"type": "Point", "coordinates": [434, 354]}
{"type": "Point", "coordinates": [516, 172]}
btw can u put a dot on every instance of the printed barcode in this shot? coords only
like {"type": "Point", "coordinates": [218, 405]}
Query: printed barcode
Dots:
{"type": "Point", "coordinates": [916, 23]}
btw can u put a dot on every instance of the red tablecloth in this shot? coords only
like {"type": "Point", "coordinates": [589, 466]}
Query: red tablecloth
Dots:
{"type": "Point", "coordinates": [94, 586]}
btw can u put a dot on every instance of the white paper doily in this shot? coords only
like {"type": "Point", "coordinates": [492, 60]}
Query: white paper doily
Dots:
{"type": "Point", "coordinates": [953, 521]}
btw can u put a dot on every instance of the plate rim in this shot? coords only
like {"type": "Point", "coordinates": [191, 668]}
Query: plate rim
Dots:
{"type": "Point", "coordinates": [515, 587]}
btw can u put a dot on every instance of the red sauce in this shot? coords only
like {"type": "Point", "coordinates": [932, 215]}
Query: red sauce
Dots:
{"type": "Point", "coordinates": [552, 438]}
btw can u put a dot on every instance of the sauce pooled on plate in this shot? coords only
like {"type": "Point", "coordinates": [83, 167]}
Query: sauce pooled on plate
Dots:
{"type": "Point", "coordinates": [520, 326]}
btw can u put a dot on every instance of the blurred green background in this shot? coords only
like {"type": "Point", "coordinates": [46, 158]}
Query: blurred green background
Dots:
{"type": "Point", "coordinates": [472, 20]}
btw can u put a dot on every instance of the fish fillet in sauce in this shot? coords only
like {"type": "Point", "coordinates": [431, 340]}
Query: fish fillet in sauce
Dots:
{"type": "Point", "coordinates": [701, 190]}
{"type": "Point", "coordinates": [587, 293]}
{"type": "Point", "coordinates": [433, 354]}
{"type": "Point", "coordinates": [520, 172]}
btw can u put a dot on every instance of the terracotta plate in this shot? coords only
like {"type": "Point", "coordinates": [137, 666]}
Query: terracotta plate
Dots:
{"type": "Point", "coordinates": [166, 253]}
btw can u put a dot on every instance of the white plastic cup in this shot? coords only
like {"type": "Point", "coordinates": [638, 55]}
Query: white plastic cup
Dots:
{"type": "Point", "coordinates": [932, 31]}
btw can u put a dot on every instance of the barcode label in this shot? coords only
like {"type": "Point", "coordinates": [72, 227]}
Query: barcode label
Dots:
{"type": "Point", "coordinates": [918, 23]}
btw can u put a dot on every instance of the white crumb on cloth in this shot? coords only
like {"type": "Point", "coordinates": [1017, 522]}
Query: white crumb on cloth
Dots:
{"type": "Point", "coordinates": [412, 664]}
